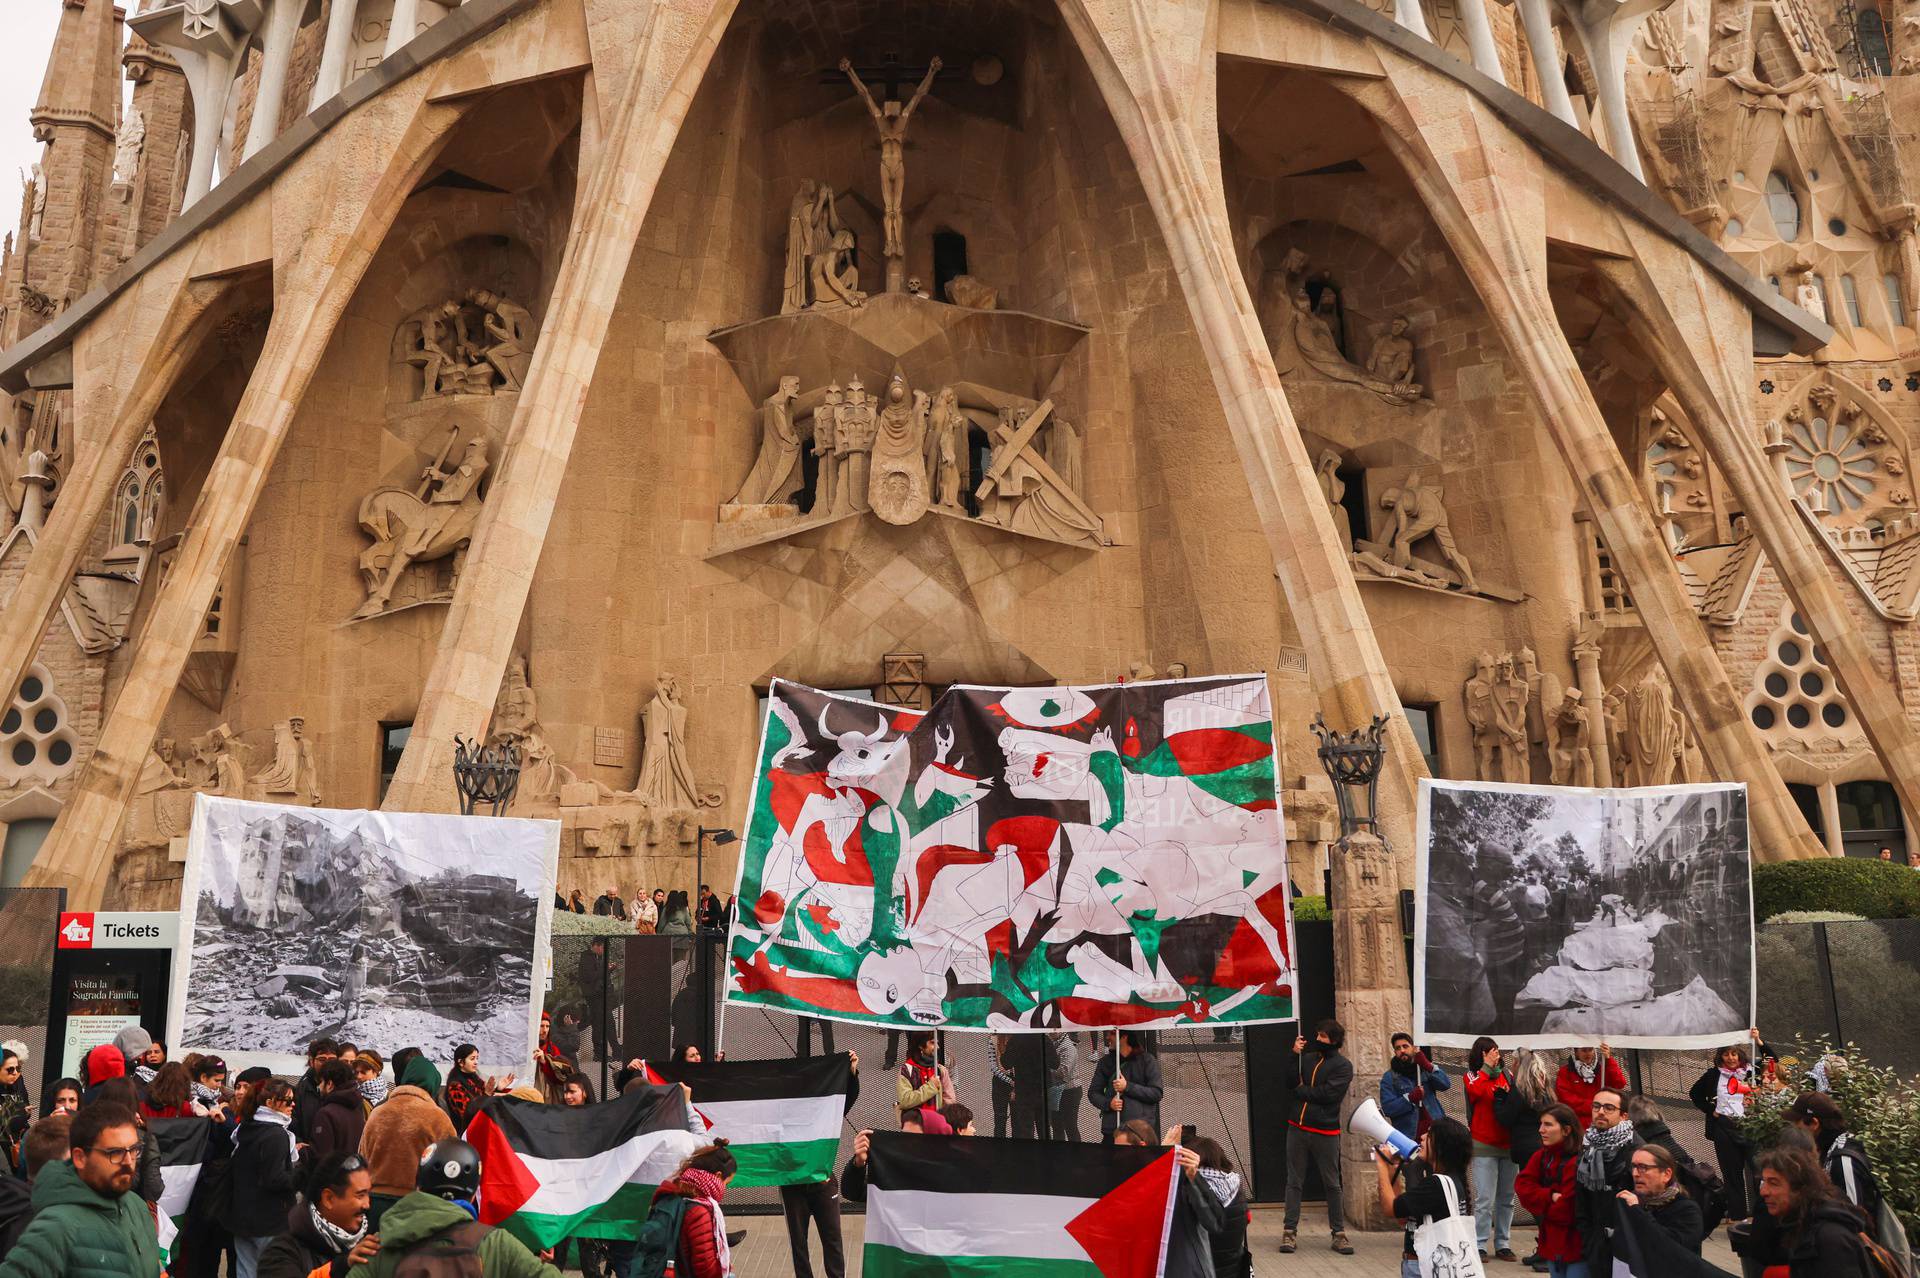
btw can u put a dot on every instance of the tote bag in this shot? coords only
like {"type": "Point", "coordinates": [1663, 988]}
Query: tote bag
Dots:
{"type": "Point", "coordinates": [1448, 1247]}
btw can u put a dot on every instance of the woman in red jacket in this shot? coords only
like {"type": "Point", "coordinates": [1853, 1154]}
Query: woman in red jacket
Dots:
{"type": "Point", "coordinates": [1491, 1171]}
{"type": "Point", "coordinates": [1546, 1188]}
{"type": "Point", "coordinates": [1584, 1073]}
{"type": "Point", "coordinates": [702, 1181]}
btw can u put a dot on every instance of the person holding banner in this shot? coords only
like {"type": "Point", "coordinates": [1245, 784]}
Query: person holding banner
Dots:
{"type": "Point", "coordinates": [1606, 1168]}
{"type": "Point", "coordinates": [1318, 1076]}
{"type": "Point", "coordinates": [1132, 1091]}
{"type": "Point", "coordinates": [1410, 1088]}
{"type": "Point", "coordinates": [1657, 1192]}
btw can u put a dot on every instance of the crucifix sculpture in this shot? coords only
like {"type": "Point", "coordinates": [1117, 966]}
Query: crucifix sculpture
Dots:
{"type": "Point", "coordinates": [890, 119]}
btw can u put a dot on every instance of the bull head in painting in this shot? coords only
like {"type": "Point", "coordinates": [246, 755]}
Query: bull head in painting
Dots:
{"type": "Point", "coordinates": [867, 759]}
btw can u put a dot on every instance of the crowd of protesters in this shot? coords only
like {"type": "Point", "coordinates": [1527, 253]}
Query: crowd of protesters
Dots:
{"type": "Point", "coordinates": [659, 912]}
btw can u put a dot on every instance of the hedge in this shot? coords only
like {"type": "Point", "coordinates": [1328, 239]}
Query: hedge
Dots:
{"type": "Point", "coordinates": [1871, 888]}
{"type": "Point", "coordinates": [1310, 909]}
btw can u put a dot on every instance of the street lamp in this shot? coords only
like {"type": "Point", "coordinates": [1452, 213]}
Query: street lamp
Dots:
{"type": "Point", "coordinates": [702, 942]}
{"type": "Point", "coordinates": [1352, 760]}
{"type": "Point", "coordinates": [720, 839]}
{"type": "Point", "coordinates": [488, 774]}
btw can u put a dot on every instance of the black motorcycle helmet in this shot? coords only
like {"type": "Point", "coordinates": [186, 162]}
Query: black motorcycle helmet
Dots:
{"type": "Point", "coordinates": [451, 1170]}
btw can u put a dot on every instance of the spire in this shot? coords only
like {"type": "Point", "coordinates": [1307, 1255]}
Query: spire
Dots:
{"type": "Point", "coordinates": [82, 84]}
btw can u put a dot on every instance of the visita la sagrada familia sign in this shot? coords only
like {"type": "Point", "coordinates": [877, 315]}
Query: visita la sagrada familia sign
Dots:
{"type": "Point", "coordinates": [562, 372]}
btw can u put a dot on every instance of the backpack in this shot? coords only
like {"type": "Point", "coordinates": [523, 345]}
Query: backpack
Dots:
{"type": "Point", "coordinates": [454, 1252]}
{"type": "Point", "coordinates": [1704, 1186]}
{"type": "Point", "coordinates": [659, 1241]}
{"type": "Point", "coordinates": [1893, 1239]}
{"type": "Point", "coordinates": [1880, 1262]}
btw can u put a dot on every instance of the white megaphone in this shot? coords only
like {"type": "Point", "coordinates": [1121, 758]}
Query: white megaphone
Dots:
{"type": "Point", "coordinates": [1368, 1121]}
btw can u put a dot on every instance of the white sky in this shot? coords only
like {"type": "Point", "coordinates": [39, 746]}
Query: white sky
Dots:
{"type": "Point", "coordinates": [29, 27]}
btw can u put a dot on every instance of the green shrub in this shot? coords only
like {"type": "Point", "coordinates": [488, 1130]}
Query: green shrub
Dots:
{"type": "Point", "coordinates": [567, 923]}
{"type": "Point", "coordinates": [1872, 889]}
{"type": "Point", "coordinates": [1815, 916]}
{"type": "Point", "coordinates": [1310, 909]}
{"type": "Point", "coordinates": [1882, 1110]}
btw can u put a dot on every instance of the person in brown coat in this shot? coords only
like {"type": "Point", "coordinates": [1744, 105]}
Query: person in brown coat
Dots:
{"type": "Point", "coordinates": [398, 1134]}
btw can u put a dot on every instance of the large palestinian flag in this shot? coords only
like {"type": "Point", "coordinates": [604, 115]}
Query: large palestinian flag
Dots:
{"type": "Point", "coordinates": [183, 1148]}
{"type": "Point", "coordinates": [971, 1207]}
{"type": "Point", "coordinates": [549, 1172]}
{"type": "Point", "coordinates": [1038, 858]}
{"type": "Point", "coordinates": [781, 1118]}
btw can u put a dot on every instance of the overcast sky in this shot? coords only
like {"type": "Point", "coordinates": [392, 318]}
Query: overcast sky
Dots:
{"type": "Point", "coordinates": [23, 61]}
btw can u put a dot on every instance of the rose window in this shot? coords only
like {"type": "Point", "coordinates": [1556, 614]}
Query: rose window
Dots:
{"type": "Point", "coordinates": [1830, 464]}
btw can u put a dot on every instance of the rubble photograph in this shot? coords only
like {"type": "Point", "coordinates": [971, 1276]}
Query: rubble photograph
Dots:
{"type": "Point", "coordinates": [403, 929]}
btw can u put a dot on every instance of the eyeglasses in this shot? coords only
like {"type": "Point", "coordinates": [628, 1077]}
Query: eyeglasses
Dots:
{"type": "Point", "coordinates": [9, 1069]}
{"type": "Point", "coordinates": [1601, 1107]}
{"type": "Point", "coordinates": [117, 1153]}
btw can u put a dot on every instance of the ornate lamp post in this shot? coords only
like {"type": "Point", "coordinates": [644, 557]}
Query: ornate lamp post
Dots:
{"type": "Point", "coordinates": [1371, 991]}
{"type": "Point", "coordinates": [485, 774]}
{"type": "Point", "coordinates": [702, 941]}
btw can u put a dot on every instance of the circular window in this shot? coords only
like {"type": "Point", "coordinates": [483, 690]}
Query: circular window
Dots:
{"type": "Point", "coordinates": [1739, 175]}
{"type": "Point", "coordinates": [1827, 466]}
{"type": "Point", "coordinates": [1777, 684]}
{"type": "Point", "coordinates": [30, 750]}
{"type": "Point", "coordinates": [1820, 654]}
{"type": "Point", "coordinates": [1734, 226]}
{"type": "Point", "coordinates": [30, 689]}
{"type": "Point", "coordinates": [1837, 226]}
{"type": "Point", "coordinates": [45, 720]}
{"type": "Point", "coordinates": [1812, 684]}
{"type": "Point", "coordinates": [151, 461]}
{"type": "Point", "coordinates": [60, 753]}
{"type": "Point", "coordinates": [1799, 626]}
{"type": "Point", "coordinates": [1763, 717]}
{"type": "Point", "coordinates": [11, 723]}
{"type": "Point", "coordinates": [1798, 715]}
{"type": "Point", "coordinates": [23, 753]}
{"type": "Point", "coordinates": [1833, 714]}
{"type": "Point", "coordinates": [1789, 653]}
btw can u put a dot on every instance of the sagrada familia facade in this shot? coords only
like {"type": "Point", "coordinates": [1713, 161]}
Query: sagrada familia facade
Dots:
{"type": "Point", "coordinates": [1542, 375]}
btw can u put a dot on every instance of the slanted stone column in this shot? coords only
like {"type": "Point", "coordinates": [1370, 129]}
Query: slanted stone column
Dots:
{"type": "Point", "coordinates": [334, 51]}
{"type": "Point", "coordinates": [1486, 55]}
{"type": "Point", "coordinates": [1485, 190]}
{"type": "Point", "coordinates": [326, 236]}
{"type": "Point", "coordinates": [1536, 22]}
{"type": "Point", "coordinates": [492, 592]}
{"type": "Point", "coordinates": [1699, 336]}
{"type": "Point", "coordinates": [276, 55]}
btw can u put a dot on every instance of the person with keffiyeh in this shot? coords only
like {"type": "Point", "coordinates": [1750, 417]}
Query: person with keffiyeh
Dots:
{"type": "Point", "coordinates": [1606, 1168]}
{"type": "Point", "coordinates": [1584, 1073]}
{"type": "Point", "coordinates": [261, 1180]}
{"type": "Point", "coordinates": [327, 1229]}
{"type": "Point", "coordinates": [702, 1181]}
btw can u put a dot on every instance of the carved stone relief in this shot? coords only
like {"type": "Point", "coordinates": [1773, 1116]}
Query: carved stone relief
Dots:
{"type": "Point", "coordinates": [423, 529]}
{"type": "Point", "coordinates": [1416, 513]}
{"type": "Point", "coordinates": [1315, 329]}
{"type": "Point", "coordinates": [477, 344]}
{"type": "Point", "coordinates": [1516, 711]}
{"type": "Point", "coordinates": [292, 776]}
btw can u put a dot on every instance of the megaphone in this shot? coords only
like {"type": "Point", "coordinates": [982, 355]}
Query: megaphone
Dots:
{"type": "Point", "coordinates": [1369, 1122]}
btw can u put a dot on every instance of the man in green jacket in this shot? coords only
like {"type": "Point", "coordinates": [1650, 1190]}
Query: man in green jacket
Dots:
{"type": "Point", "coordinates": [439, 1214]}
{"type": "Point", "coordinates": [86, 1223]}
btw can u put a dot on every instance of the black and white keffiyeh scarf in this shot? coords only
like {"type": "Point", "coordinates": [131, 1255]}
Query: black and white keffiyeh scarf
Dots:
{"type": "Point", "coordinates": [1600, 1143]}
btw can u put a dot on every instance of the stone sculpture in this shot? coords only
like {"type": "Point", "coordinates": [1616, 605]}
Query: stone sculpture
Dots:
{"type": "Point", "coordinates": [159, 771]}
{"type": "Point", "coordinates": [777, 468]}
{"type": "Point", "coordinates": [1022, 492]}
{"type": "Point", "coordinates": [431, 346]}
{"type": "Point", "coordinates": [897, 488]}
{"type": "Point", "coordinates": [976, 294]}
{"type": "Point", "coordinates": [1478, 695]}
{"type": "Point", "coordinates": [1318, 341]}
{"type": "Point", "coordinates": [1653, 743]}
{"type": "Point", "coordinates": [479, 344]}
{"type": "Point", "coordinates": [833, 277]}
{"type": "Point", "coordinates": [1418, 512]}
{"type": "Point", "coordinates": [1572, 751]}
{"type": "Point", "coordinates": [127, 146]}
{"type": "Point", "coordinates": [508, 327]}
{"type": "Point", "coordinates": [1064, 453]}
{"type": "Point", "coordinates": [1510, 719]}
{"type": "Point", "coordinates": [826, 420]}
{"type": "Point", "coordinates": [1334, 489]}
{"type": "Point", "coordinates": [1807, 293]}
{"type": "Point", "coordinates": [516, 722]}
{"type": "Point", "coordinates": [215, 766]}
{"type": "Point", "coordinates": [38, 185]}
{"type": "Point", "coordinates": [292, 771]}
{"type": "Point", "coordinates": [1392, 358]}
{"type": "Point", "coordinates": [666, 778]}
{"type": "Point", "coordinates": [947, 449]}
{"type": "Point", "coordinates": [431, 522]}
{"type": "Point", "coordinates": [1544, 694]}
{"type": "Point", "coordinates": [890, 120]}
{"type": "Point", "coordinates": [853, 432]}
{"type": "Point", "coordinates": [812, 222]}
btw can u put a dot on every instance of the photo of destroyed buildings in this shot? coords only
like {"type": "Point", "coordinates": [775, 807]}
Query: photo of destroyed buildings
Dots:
{"type": "Point", "coordinates": [383, 929]}
{"type": "Point", "coordinates": [1559, 916]}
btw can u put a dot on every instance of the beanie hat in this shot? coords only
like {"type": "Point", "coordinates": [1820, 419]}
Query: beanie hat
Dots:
{"type": "Point", "coordinates": [133, 1042]}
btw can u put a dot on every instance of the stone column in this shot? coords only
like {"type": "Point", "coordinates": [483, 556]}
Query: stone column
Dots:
{"type": "Point", "coordinates": [1371, 998]}
{"type": "Point", "coordinates": [1487, 196]}
{"type": "Point", "coordinates": [1536, 21]}
{"type": "Point", "coordinates": [1410, 15]}
{"type": "Point", "coordinates": [276, 53]}
{"type": "Point", "coordinates": [1486, 55]}
{"type": "Point", "coordinates": [1697, 335]}
{"type": "Point", "coordinates": [1830, 817]}
{"type": "Point", "coordinates": [334, 53]}
{"type": "Point", "coordinates": [118, 384]}
{"type": "Point", "coordinates": [477, 638]}
{"type": "Point", "coordinates": [1139, 51]}
{"type": "Point", "coordinates": [209, 81]}
{"type": "Point", "coordinates": [336, 226]}
{"type": "Point", "coordinates": [1586, 669]}
{"type": "Point", "coordinates": [400, 29]}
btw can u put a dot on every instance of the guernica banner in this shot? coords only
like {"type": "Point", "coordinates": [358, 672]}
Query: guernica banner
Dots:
{"type": "Point", "coordinates": [1018, 859]}
{"type": "Point", "coordinates": [1553, 916]}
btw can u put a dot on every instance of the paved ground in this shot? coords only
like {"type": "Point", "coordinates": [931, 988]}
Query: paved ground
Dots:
{"type": "Point", "coordinates": [764, 1254]}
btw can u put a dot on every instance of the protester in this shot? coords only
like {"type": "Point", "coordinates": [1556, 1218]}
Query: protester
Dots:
{"type": "Point", "coordinates": [1804, 1228]}
{"type": "Point", "coordinates": [465, 1088]}
{"type": "Point", "coordinates": [1063, 1091]}
{"type": "Point", "coordinates": [1000, 1090]}
{"type": "Point", "coordinates": [1518, 1106]}
{"type": "Point", "coordinates": [341, 1116]}
{"type": "Point", "coordinates": [147, 1182]}
{"type": "Point", "coordinates": [62, 1098]}
{"type": "Point", "coordinates": [439, 1216]}
{"type": "Point", "coordinates": [1721, 1094]}
{"type": "Point", "coordinates": [398, 1133]}
{"type": "Point", "coordinates": [702, 1180]}
{"type": "Point", "coordinates": [101, 1064]}
{"type": "Point", "coordinates": [959, 1119]}
{"type": "Point", "coordinates": [306, 1090]}
{"type": "Point", "coordinates": [204, 1241]}
{"type": "Point", "coordinates": [553, 1066]}
{"type": "Point", "coordinates": [135, 1046]}
{"type": "Point", "coordinates": [327, 1228]}
{"type": "Point", "coordinates": [48, 1141]}
{"type": "Point", "coordinates": [1584, 1073]}
{"type": "Point", "coordinates": [1444, 1154]}
{"type": "Point", "coordinates": [1134, 1093]}
{"type": "Point", "coordinates": [1650, 1125]}
{"type": "Point", "coordinates": [86, 1219]}
{"type": "Point", "coordinates": [208, 1087]}
{"type": "Point", "coordinates": [1657, 1192]}
{"type": "Point", "coordinates": [1546, 1188]}
{"type": "Point", "coordinates": [367, 1077]}
{"type": "Point", "coordinates": [167, 1094]}
{"type": "Point", "coordinates": [674, 917]}
{"type": "Point", "coordinates": [922, 1079]}
{"type": "Point", "coordinates": [16, 1104]}
{"type": "Point", "coordinates": [1231, 1256]}
{"type": "Point", "coordinates": [592, 1252]}
{"type": "Point", "coordinates": [1606, 1168]}
{"type": "Point", "coordinates": [1842, 1157]}
{"type": "Point", "coordinates": [1410, 1088]}
{"type": "Point", "coordinates": [819, 1203]}
{"type": "Point", "coordinates": [1492, 1170]}
{"type": "Point", "coordinates": [262, 1179]}
{"type": "Point", "coordinates": [595, 977]}
{"type": "Point", "coordinates": [1318, 1076]}
{"type": "Point", "coordinates": [1029, 1058]}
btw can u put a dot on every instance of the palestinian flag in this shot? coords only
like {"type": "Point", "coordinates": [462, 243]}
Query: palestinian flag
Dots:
{"type": "Point", "coordinates": [183, 1148]}
{"type": "Point", "coordinates": [973, 1207]}
{"type": "Point", "coordinates": [781, 1118]}
{"type": "Point", "coordinates": [549, 1172]}
{"type": "Point", "coordinates": [1641, 1249]}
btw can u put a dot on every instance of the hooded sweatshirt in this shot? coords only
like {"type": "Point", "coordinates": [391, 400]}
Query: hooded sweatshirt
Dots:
{"type": "Point", "coordinates": [419, 1217]}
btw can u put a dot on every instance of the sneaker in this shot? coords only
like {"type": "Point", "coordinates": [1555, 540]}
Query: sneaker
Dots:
{"type": "Point", "coordinates": [1505, 1253]}
{"type": "Point", "coordinates": [1341, 1245]}
{"type": "Point", "coordinates": [1288, 1241]}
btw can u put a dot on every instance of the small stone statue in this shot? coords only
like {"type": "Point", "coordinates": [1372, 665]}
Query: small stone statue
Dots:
{"type": "Point", "coordinates": [812, 222]}
{"type": "Point", "coordinates": [853, 433]}
{"type": "Point", "coordinates": [1478, 695]}
{"type": "Point", "coordinates": [666, 778]}
{"type": "Point", "coordinates": [158, 772]}
{"type": "Point", "coordinates": [292, 771]}
{"type": "Point", "coordinates": [778, 464]}
{"type": "Point", "coordinates": [1392, 358]}
{"type": "Point", "coordinates": [897, 489]}
{"type": "Point", "coordinates": [890, 120]}
{"type": "Point", "coordinates": [1418, 513]}
{"type": "Point", "coordinates": [1571, 758]}
{"type": "Point", "coordinates": [947, 448]}
{"type": "Point", "coordinates": [1334, 489]}
{"type": "Point", "coordinates": [834, 278]}
{"type": "Point", "coordinates": [826, 419]}
{"type": "Point", "coordinates": [127, 146]}
{"type": "Point", "coordinates": [509, 330]}
{"type": "Point", "coordinates": [1510, 719]}
{"type": "Point", "coordinates": [433, 521]}
{"type": "Point", "coordinates": [968, 291]}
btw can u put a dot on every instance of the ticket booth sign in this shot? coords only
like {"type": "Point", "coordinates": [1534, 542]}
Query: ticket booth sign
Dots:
{"type": "Point", "coordinates": [110, 971]}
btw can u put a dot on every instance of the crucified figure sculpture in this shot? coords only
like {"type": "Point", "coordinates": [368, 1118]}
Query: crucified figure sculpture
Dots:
{"type": "Point", "coordinates": [890, 118]}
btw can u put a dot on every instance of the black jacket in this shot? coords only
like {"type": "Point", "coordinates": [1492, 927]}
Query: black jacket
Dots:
{"type": "Point", "coordinates": [1705, 1094]}
{"type": "Point", "coordinates": [301, 1250]}
{"type": "Point", "coordinates": [1593, 1209]}
{"type": "Point", "coordinates": [1140, 1100]}
{"type": "Point", "coordinates": [1318, 1076]}
{"type": "Point", "coordinates": [1679, 1220]}
{"type": "Point", "coordinates": [16, 1209]}
{"type": "Point", "coordinates": [260, 1182]}
{"type": "Point", "coordinates": [306, 1099]}
{"type": "Point", "coordinates": [1656, 1132]}
{"type": "Point", "coordinates": [338, 1120]}
{"type": "Point", "coordinates": [1197, 1222]}
{"type": "Point", "coordinates": [1230, 1255]}
{"type": "Point", "coordinates": [1851, 1172]}
{"type": "Point", "coordinates": [1827, 1246]}
{"type": "Point", "coordinates": [1522, 1122]}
